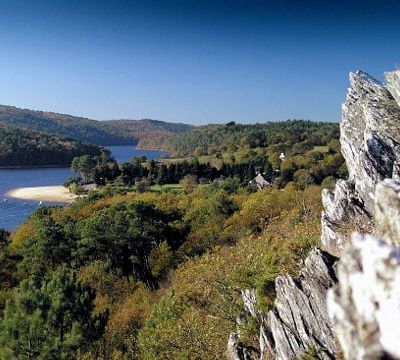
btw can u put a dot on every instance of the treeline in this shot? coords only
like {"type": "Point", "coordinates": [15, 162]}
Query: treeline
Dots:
{"type": "Point", "coordinates": [222, 139]}
{"type": "Point", "coordinates": [28, 148]}
{"type": "Point", "coordinates": [304, 169]}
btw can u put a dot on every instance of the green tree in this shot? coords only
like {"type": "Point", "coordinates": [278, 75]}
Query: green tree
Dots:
{"type": "Point", "coordinates": [189, 183]}
{"type": "Point", "coordinates": [231, 184]}
{"type": "Point", "coordinates": [303, 178]}
{"type": "Point", "coordinates": [47, 248]}
{"type": "Point", "coordinates": [84, 165]}
{"type": "Point", "coordinates": [3, 237]}
{"type": "Point", "coordinates": [288, 168]}
{"type": "Point", "coordinates": [334, 146]}
{"type": "Point", "coordinates": [124, 234]}
{"type": "Point", "coordinates": [143, 185]}
{"type": "Point", "coordinates": [50, 321]}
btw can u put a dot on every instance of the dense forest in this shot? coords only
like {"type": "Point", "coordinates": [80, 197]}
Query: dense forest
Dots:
{"type": "Point", "coordinates": [86, 130]}
{"type": "Point", "coordinates": [30, 148]}
{"type": "Point", "coordinates": [223, 139]}
{"type": "Point", "coordinates": [149, 133]}
{"type": "Point", "coordinates": [152, 134]}
{"type": "Point", "coordinates": [145, 269]}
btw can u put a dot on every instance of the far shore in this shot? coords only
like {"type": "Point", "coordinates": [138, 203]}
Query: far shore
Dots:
{"type": "Point", "coordinates": [13, 167]}
{"type": "Point", "coordinates": [150, 149]}
{"type": "Point", "coordinates": [43, 193]}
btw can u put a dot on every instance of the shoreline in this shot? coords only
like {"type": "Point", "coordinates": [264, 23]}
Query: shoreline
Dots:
{"type": "Point", "coordinates": [144, 148]}
{"type": "Point", "coordinates": [22, 167]}
{"type": "Point", "coordinates": [56, 193]}
{"type": "Point", "coordinates": [159, 150]}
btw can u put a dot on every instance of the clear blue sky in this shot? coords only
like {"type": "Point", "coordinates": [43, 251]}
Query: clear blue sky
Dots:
{"type": "Point", "coordinates": [192, 61]}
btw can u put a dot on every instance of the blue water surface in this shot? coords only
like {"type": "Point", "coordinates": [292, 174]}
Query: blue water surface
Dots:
{"type": "Point", "coordinates": [13, 211]}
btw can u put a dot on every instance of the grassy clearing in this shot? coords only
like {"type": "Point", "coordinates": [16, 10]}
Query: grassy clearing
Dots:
{"type": "Point", "coordinates": [166, 187]}
{"type": "Point", "coordinates": [321, 149]}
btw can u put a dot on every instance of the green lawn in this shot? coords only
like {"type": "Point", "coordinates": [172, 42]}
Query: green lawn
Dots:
{"type": "Point", "coordinates": [322, 149]}
{"type": "Point", "coordinates": [166, 187]}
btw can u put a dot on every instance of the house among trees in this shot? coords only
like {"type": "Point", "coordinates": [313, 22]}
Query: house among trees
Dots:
{"type": "Point", "coordinates": [259, 182]}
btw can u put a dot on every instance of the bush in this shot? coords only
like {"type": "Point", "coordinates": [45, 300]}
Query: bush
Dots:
{"type": "Point", "coordinates": [143, 185]}
{"type": "Point", "coordinates": [328, 183]}
{"type": "Point", "coordinates": [303, 179]}
{"type": "Point", "coordinates": [71, 180]}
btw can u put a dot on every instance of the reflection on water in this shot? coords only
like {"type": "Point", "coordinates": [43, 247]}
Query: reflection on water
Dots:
{"type": "Point", "coordinates": [14, 211]}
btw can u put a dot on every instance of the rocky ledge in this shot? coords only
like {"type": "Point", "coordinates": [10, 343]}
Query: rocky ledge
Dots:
{"type": "Point", "coordinates": [359, 319]}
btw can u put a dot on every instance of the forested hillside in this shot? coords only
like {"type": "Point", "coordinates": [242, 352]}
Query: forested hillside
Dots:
{"type": "Point", "coordinates": [29, 148]}
{"type": "Point", "coordinates": [218, 139]}
{"type": "Point", "coordinates": [86, 130]}
{"type": "Point", "coordinates": [152, 134]}
{"type": "Point", "coordinates": [146, 133]}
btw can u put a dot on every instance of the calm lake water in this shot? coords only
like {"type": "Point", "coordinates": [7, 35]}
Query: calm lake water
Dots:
{"type": "Point", "coordinates": [13, 211]}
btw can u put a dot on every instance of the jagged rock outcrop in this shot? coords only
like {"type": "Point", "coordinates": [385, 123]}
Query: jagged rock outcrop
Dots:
{"type": "Point", "coordinates": [344, 210]}
{"type": "Point", "coordinates": [393, 84]}
{"type": "Point", "coordinates": [370, 136]}
{"type": "Point", "coordinates": [366, 299]}
{"type": "Point", "coordinates": [387, 211]}
{"type": "Point", "coordinates": [370, 143]}
{"type": "Point", "coordinates": [364, 306]}
{"type": "Point", "coordinates": [299, 320]}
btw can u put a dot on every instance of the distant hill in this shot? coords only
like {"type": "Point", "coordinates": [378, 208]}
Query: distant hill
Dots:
{"type": "Point", "coordinates": [86, 130]}
{"type": "Point", "coordinates": [19, 147]}
{"type": "Point", "coordinates": [144, 133]}
{"type": "Point", "coordinates": [152, 134]}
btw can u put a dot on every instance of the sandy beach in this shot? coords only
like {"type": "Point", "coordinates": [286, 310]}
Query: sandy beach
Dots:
{"type": "Point", "coordinates": [43, 193]}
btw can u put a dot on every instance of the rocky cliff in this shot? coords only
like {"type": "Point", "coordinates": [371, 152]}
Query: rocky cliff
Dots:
{"type": "Point", "coordinates": [346, 299]}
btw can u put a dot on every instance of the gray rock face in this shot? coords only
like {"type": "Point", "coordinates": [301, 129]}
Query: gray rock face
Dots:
{"type": "Point", "coordinates": [366, 299]}
{"type": "Point", "coordinates": [369, 138]}
{"type": "Point", "coordinates": [300, 320]}
{"type": "Point", "coordinates": [364, 306]}
{"type": "Point", "coordinates": [387, 211]}
{"type": "Point", "coordinates": [369, 135]}
{"type": "Point", "coordinates": [393, 84]}
{"type": "Point", "coordinates": [343, 210]}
